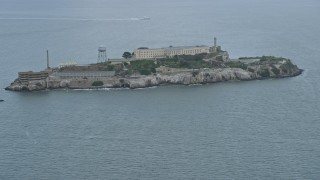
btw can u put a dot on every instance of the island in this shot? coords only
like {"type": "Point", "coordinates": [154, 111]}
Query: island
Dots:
{"type": "Point", "coordinates": [185, 65]}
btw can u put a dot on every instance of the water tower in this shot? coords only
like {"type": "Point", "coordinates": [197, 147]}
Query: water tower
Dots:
{"type": "Point", "coordinates": [102, 54]}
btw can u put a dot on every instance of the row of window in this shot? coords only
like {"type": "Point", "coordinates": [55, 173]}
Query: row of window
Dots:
{"type": "Point", "coordinates": [173, 52]}
{"type": "Point", "coordinates": [151, 54]}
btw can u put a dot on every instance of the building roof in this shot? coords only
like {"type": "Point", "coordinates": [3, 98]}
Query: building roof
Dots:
{"type": "Point", "coordinates": [176, 47]}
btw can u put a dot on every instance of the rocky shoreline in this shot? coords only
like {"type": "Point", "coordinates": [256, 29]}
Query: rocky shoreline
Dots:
{"type": "Point", "coordinates": [170, 76]}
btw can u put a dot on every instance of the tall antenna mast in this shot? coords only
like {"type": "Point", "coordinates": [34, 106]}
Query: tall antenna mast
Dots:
{"type": "Point", "coordinates": [215, 42]}
{"type": "Point", "coordinates": [48, 67]}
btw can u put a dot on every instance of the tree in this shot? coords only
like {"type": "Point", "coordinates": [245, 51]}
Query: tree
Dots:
{"type": "Point", "coordinates": [127, 55]}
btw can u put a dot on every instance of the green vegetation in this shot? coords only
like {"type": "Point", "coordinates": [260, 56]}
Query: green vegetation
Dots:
{"type": "Point", "coordinates": [264, 73]}
{"type": "Point", "coordinates": [237, 64]}
{"type": "Point", "coordinates": [288, 67]}
{"type": "Point", "coordinates": [185, 61]}
{"type": "Point", "coordinates": [271, 59]}
{"type": "Point", "coordinates": [145, 72]}
{"type": "Point", "coordinates": [97, 83]}
{"type": "Point", "coordinates": [275, 70]}
{"type": "Point", "coordinates": [170, 62]}
{"type": "Point", "coordinates": [265, 58]}
{"type": "Point", "coordinates": [109, 67]}
{"type": "Point", "coordinates": [147, 67]}
{"type": "Point", "coordinates": [144, 67]}
{"type": "Point", "coordinates": [127, 55]}
{"type": "Point", "coordinates": [257, 57]}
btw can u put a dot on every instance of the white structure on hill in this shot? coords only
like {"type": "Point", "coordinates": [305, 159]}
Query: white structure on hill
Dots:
{"type": "Point", "coordinates": [146, 53]}
{"type": "Point", "coordinates": [102, 54]}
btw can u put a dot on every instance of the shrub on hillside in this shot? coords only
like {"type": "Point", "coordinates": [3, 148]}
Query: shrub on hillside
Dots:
{"type": "Point", "coordinates": [237, 64]}
{"type": "Point", "coordinates": [97, 83]}
{"type": "Point", "coordinates": [264, 73]}
{"type": "Point", "coordinates": [275, 70]}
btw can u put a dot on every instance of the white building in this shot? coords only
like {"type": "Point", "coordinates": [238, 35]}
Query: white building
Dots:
{"type": "Point", "coordinates": [146, 53]}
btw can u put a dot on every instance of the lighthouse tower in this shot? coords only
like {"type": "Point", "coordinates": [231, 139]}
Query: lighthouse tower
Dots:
{"type": "Point", "coordinates": [214, 48]}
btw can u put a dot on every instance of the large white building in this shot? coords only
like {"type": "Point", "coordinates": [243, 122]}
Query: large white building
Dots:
{"type": "Point", "coordinates": [146, 53]}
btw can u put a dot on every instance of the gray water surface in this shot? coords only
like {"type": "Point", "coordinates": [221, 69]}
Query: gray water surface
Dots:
{"type": "Point", "coordinates": [235, 130]}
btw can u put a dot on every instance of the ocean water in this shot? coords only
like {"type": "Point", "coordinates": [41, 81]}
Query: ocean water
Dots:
{"type": "Point", "coordinates": [235, 130]}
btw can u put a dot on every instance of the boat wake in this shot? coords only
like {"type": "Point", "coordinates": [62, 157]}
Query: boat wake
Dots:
{"type": "Point", "coordinates": [77, 19]}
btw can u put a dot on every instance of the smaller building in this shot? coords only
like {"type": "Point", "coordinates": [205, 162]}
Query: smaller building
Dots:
{"type": "Point", "coordinates": [25, 77]}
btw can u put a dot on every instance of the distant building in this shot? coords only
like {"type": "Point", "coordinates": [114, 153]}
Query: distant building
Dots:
{"type": "Point", "coordinates": [83, 74]}
{"type": "Point", "coordinates": [146, 53]}
{"type": "Point", "coordinates": [25, 77]}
